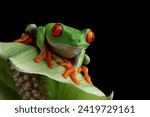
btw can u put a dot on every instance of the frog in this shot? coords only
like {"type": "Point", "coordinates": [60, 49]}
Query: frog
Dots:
{"type": "Point", "coordinates": [57, 39]}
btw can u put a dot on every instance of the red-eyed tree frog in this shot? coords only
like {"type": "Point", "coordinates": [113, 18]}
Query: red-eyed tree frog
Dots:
{"type": "Point", "coordinates": [58, 39]}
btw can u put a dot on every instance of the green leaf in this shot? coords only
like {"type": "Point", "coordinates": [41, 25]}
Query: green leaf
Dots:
{"type": "Point", "coordinates": [62, 91]}
{"type": "Point", "coordinates": [8, 89]}
{"type": "Point", "coordinates": [9, 49]}
{"type": "Point", "coordinates": [56, 85]}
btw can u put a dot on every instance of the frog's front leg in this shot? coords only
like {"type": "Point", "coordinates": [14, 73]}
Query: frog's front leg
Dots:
{"type": "Point", "coordinates": [73, 69]}
{"type": "Point", "coordinates": [45, 52]}
{"type": "Point", "coordinates": [70, 70]}
{"type": "Point", "coordinates": [29, 35]}
{"type": "Point", "coordinates": [47, 55]}
{"type": "Point", "coordinates": [83, 69]}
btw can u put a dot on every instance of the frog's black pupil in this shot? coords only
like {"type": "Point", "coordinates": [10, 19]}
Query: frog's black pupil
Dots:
{"type": "Point", "coordinates": [92, 37]}
{"type": "Point", "coordinates": [54, 29]}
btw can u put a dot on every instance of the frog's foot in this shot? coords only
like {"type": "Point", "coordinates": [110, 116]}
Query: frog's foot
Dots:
{"type": "Point", "coordinates": [47, 55]}
{"type": "Point", "coordinates": [70, 70]}
{"type": "Point", "coordinates": [25, 39]}
{"type": "Point", "coordinates": [84, 70]}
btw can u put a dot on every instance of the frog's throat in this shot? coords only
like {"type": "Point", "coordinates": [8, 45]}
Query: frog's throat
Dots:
{"type": "Point", "coordinates": [65, 50]}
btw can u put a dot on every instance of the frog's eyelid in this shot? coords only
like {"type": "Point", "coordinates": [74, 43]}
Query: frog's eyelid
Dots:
{"type": "Point", "coordinates": [90, 36]}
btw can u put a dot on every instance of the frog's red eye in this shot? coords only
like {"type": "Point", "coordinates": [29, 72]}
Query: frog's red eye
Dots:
{"type": "Point", "coordinates": [90, 36]}
{"type": "Point", "coordinates": [57, 30]}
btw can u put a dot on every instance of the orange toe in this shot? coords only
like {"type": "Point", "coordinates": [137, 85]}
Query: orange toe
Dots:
{"type": "Point", "coordinates": [84, 70]}
{"type": "Point", "coordinates": [25, 39]}
{"type": "Point", "coordinates": [74, 79]}
{"type": "Point", "coordinates": [37, 59]}
{"type": "Point", "coordinates": [46, 54]}
{"type": "Point", "coordinates": [70, 71]}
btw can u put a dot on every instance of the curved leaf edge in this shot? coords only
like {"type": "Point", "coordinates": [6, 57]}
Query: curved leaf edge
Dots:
{"type": "Point", "coordinates": [102, 97]}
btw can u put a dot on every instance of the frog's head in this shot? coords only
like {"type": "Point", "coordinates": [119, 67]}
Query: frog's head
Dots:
{"type": "Point", "coordinates": [69, 38]}
{"type": "Point", "coordinates": [59, 33]}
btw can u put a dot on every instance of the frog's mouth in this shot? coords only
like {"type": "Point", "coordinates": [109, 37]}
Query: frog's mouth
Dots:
{"type": "Point", "coordinates": [67, 51]}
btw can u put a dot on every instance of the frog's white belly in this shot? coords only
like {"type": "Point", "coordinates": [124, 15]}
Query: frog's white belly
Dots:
{"type": "Point", "coordinates": [65, 50]}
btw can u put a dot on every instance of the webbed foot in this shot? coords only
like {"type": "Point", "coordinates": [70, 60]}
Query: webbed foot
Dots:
{"type": "Point", "coordinates": [47, 55]}
{"type": "Point", "coordinates": [26, 38]}
{"type": "Point", "coordinates": [70, 70]}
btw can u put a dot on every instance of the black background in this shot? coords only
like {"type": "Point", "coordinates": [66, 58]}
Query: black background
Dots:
{"type": "Point", "coordinates": [115, 54]}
